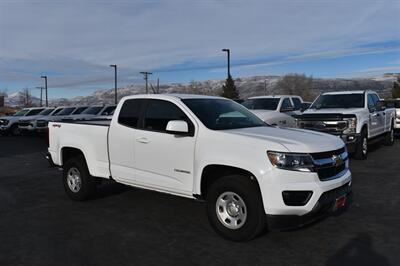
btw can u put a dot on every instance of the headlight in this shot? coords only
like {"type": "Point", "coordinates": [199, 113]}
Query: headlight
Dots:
{"type": "Point", "coordinates": [4, 122]}
{"type": "Point", "coordinates": [351, 125]}
{"type": "Point", "coordinates": [291, 161]}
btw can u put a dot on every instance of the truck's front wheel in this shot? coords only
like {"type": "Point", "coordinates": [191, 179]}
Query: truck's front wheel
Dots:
{"type": "Point", "coordinates": [361, 151]}
{"type": "Point", "coordinates": [235, 209]}
{"type": "Point", "coordinates": [78, 183]}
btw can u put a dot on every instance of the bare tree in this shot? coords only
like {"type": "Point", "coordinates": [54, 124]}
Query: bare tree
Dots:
{"type": "Point", "coordinates": [25, 98]}
{"type": "Point", "coordinates": [3, 93]}
{"type": "Point", "coordinates": [296, 84]}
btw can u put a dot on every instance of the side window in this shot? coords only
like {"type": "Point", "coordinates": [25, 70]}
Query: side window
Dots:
{"type": "Point", "coordinates": [375, 98]}
{"type": "Point", "coordinates": [159, 113]}
{"type": "Point", "coordinates": [130, 113]}
{"type": "Point", "coordinates": [297, 103]}
{"type": "Point", "coordinates": [286, 104]}
{"type": "Point", "coordinates": [371, 102]}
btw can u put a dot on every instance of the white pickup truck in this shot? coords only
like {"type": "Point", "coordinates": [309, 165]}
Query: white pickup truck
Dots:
{"type": "Point", "coordinates": [276, 110]}
{"type": "Point", "coordinates": [357, 117]}
{"type": "Point", "coordinates": [207, 148]}
{"type": "Point", "coordinates": [394, 103]}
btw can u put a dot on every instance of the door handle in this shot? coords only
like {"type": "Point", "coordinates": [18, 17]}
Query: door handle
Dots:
{"type": "Point", "coordinates": [142, 140]}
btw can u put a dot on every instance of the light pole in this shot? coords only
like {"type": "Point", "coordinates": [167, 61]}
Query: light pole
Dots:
{"type": "Point", "coordinates": [45, 87]}
{"type": "Point", "coordinates": [41, 95]}
{"type": "Point", "coordinates": [228, 51]}
{"type": "Point", "coordinates": [115, 81]}
{"type": "Point", "coordinates": [146, 77]}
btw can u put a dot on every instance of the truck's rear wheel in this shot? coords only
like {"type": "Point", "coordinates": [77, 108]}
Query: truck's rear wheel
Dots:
{"type": "Point", "coordinates": [361, 152]}
{"type": "Point", "coordinates": [235, 209]}
{"type": "Point", "coordinates": [389, 137]}
{"type": "Point", "coordinates": [78, 183]}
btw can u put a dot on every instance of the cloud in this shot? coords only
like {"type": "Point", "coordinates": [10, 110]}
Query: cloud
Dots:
{"type": "Point", "coordinates": [77, 40]}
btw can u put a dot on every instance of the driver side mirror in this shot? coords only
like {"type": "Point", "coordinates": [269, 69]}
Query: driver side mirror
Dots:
{"type": "Point", "coordinates": [380, 106]}
{"type": "Point", "coordinates": [177, 127]}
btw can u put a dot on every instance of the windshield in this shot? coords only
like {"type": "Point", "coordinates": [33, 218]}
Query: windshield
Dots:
{"type": "Point", "coordinates": [109, 110]}
{"type": "Point", "coordinates": [66, 111]}
{"type": "Point", "coordinates": [21, 112]}
{"type": "Point", "coordinates": [92, 110]}
{"type": "Point", "coordinates": [79, 110]}
{"type": "Point", "coordinates": [34, 112]}
{"type": "Point", "coordinates": [339, 101]}
{"type": "Point", "coordinates": [220, 114]}
{"type": "Point", "coordinates": [261, 104]}
{"type": "Point", "coordinates": [56, 111]}
{"type": "Point", "coordinates": [46, 111]}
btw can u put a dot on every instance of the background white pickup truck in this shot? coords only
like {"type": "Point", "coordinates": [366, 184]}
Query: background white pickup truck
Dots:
{"type": "Point", "coordinates": [357, 117]}
{"type": "Point", "coordinates": [207, 148]}
{"type": "Point", "coordinates": [276, 110]}
{"type": "Point", "coordinates": [394, 103]}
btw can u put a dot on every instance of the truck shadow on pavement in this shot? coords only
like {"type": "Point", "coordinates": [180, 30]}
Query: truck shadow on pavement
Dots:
{"type": "Point", "coordinates": [358, 251]}
{"type": "Point", "coordinates": [110, 188]}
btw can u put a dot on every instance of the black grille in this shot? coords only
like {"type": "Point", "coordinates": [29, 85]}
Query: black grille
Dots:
{"type": "Point", "coordinates": [329, 172]}
{"type": "Point", "coordinates": [24, 124]}
{"type": "Point", "coordinates": [327, 154]}
{"type": "Point", "coordinates": [41, 123]}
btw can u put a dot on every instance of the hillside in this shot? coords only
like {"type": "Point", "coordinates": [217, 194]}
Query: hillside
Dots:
{"type": "Point", "coordinates": [247, 86]}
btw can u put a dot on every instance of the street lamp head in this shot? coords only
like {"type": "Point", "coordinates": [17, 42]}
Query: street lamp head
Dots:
{"type": "Point", "coordinates": [113, 65]}
{"type": "Point", "coordinates": [43, 77]}
{"type": "Point", "coordinates": [225, 50]}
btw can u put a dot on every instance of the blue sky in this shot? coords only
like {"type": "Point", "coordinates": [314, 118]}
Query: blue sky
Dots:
{"type": "Point", "coordinates": [73, 42]}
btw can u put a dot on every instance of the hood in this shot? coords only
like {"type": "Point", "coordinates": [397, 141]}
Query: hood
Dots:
{"type": "Point", "coordinates": [261, 112]}
{"type": "Point", "coordinates": [80, 116]}
{"type": "Point", "coordinates": [334, 111]}
{"type": "Point", "coordinates": [32, 117]}
{"type": "Point", "coordinates": [8, 117]}
{"type": "Point", "coordinates": [295, 140]}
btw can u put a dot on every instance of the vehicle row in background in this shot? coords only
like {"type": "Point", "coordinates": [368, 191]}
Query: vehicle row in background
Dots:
{"type": "Point", "coordinates": [36, 119]}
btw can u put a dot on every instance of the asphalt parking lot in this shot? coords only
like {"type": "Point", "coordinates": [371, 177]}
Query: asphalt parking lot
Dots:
{"type": "Point", "coordinates": [39, 225]}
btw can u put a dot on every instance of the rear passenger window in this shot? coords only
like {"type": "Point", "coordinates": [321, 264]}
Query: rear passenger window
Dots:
{"type": "Point", "coordinates": [159, 113]}
{"type": "Point", "coordinates": [130, 112]}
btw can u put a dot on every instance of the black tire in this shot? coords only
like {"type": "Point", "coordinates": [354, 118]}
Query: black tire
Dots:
{"type": "Point", "coordinates": [389, 137]}
{"type": "Point", "coordinates": [361, 152]}
{"type": "Point", "coordinates": [87, 186]}
{"type": "Point", "coordinates": [249, 193]}
{"type": "Point", "coordinates": [14, 130]}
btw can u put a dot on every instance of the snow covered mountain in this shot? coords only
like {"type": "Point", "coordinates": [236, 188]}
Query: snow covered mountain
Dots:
{"type": "Point", "coordinates": [247, 86]}
{"type": "Point", "coordinates": [16, 99]}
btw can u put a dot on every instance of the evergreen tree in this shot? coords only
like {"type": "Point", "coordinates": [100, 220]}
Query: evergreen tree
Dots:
{"type": "Point", "coordinates": [396, 89]}
{"type": "Point", "coordinates": [229, 89]}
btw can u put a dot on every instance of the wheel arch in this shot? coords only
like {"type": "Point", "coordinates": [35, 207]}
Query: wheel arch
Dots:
{"type": "Point", "coordinates": [67, 153]}
{"type": "Point", "coordinates": [213, 172]}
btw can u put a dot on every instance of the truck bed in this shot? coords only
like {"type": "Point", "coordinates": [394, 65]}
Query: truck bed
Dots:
{"type": "Point", "coordinates": [90, 137]}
